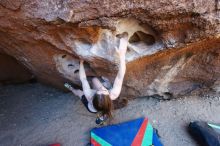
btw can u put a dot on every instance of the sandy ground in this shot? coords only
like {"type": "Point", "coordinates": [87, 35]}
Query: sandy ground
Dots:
{"type": "Point", "coordinates": [36, 115]}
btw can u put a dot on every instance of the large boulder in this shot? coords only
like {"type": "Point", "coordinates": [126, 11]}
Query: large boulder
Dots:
{"type": "Point", "coordinates": [13, 72]}
{"type": "Point", "coordinates": [174, 46]}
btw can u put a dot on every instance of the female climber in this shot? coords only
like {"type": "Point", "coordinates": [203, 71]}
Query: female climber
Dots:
{"type": "Point", "coordinates": [99, 99]}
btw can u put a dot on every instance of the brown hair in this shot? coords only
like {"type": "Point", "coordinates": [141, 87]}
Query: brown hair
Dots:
{"type": "Point", "coordinates": [103, 103]}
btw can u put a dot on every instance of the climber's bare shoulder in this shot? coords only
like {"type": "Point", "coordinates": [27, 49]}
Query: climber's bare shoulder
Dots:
{"type": "Point", "coordinates": [115, 91]}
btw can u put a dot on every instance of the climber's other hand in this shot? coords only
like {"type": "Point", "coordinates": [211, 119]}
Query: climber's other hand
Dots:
{"type": "Point", "coordinates": [81, 62]}
{"type": "Point", "coordinates": [123, 44]}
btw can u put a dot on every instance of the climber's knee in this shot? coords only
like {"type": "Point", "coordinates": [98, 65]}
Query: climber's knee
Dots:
{"type": "Point", "coordinates": [95, 80]}
{"type": "Point", "coordinates": [96, 83]}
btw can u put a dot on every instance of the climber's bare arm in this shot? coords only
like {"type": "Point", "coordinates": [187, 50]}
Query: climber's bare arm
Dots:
{"type": "Point", "coordinates": [88, 92]}
{"type": "Point", "coordinates": [76, 92]}
{"type": "Point", "coordinates": [116, 90]}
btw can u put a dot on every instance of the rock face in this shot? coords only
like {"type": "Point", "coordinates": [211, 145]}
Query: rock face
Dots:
{"type": "Point", "coordinates": [174, 46]}
{"type": "Point", "coordinates": [12, 71]}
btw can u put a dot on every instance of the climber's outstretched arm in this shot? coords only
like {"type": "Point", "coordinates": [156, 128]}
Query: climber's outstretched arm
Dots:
{"type": "Point", "coordinates": [76, 92]}
{"type": "Point", "coordinates": [116, 90]}
{"type": "Point", "coordinates": [88, 92]}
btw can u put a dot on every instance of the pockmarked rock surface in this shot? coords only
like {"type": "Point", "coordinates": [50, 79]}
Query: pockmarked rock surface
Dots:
{"type": "Point", "coordinates": [173, 50]}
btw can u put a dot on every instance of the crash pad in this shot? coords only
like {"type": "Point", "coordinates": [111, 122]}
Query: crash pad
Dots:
{"type": "Point", "coordinates": [138, 132]}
